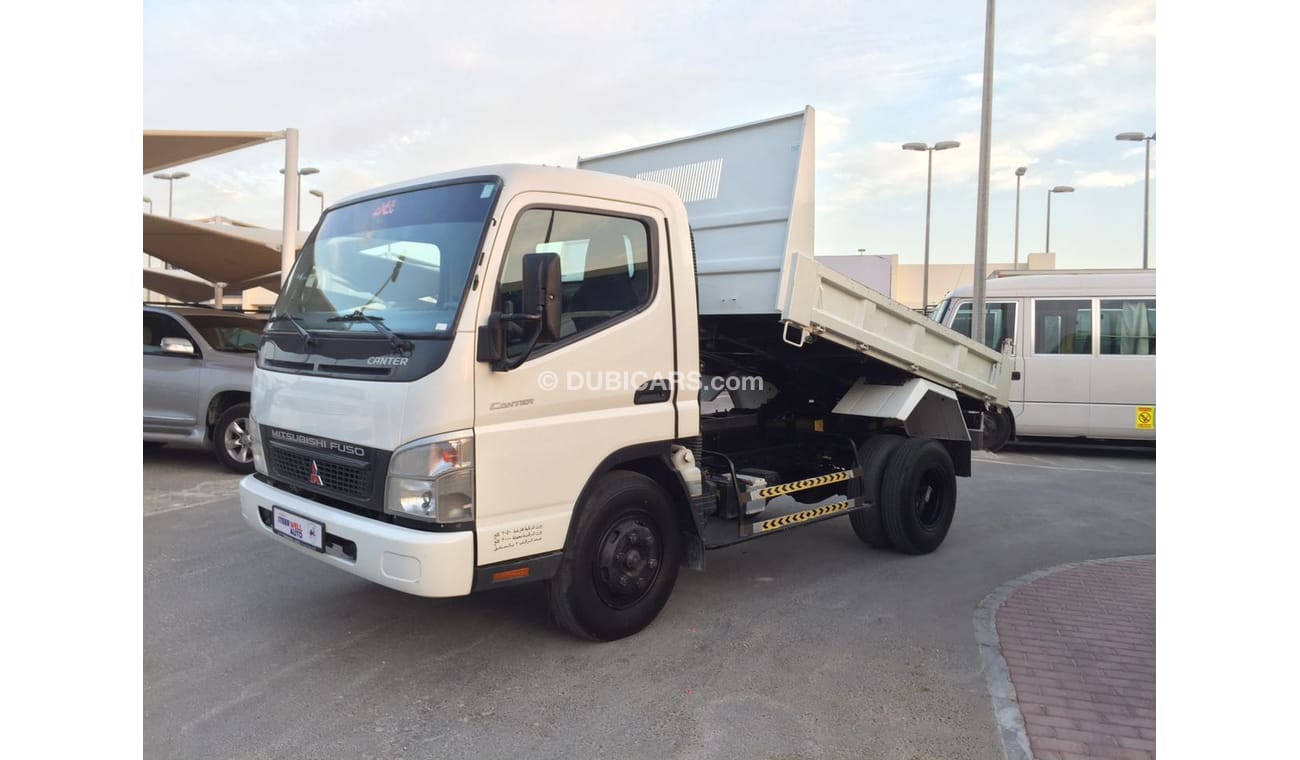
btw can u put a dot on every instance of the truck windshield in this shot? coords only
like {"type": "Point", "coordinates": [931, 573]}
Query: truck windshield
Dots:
{"type": "Point", "coordinates": [403, 258]}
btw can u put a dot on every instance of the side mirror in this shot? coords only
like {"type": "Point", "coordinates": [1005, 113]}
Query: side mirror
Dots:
{"type": "Point", "coordinates": [181, 346]}
{"type": "Point", "coordinates": [542, 293]}
{"type": "Point", "coordinates": [491, 340]}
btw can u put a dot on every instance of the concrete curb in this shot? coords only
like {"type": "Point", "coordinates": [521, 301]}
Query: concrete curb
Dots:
{"type": "Point", "coordinates": [1006, 709]}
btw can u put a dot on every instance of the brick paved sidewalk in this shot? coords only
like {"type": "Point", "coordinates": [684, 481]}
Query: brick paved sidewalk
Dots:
{"type": "Point", "coordinates": [1079, 645]}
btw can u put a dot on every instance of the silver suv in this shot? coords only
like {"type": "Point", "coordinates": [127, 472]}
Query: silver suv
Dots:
{"type": "Point", "coordinates": [198, 371]}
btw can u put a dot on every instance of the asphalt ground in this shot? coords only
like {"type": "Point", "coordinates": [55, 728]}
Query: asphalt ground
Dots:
{"type": "Point", "coordinates": [805, 644]}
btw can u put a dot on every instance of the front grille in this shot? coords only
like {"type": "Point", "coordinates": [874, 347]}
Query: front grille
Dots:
{"type": "Point", "coordinates": [345, 479]}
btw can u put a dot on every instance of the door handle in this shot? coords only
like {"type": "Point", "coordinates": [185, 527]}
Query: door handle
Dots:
{"type": "Point", "coordinates": [653, 392]}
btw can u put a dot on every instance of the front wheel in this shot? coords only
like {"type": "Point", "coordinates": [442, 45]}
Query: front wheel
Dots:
{"type": "Point", "coordinates": [231, 439]}
{"type": "Point", "coordinates": [621, 562]}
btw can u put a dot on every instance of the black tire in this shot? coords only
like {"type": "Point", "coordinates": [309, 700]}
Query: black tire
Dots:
{"type": "Point", "coordinates": [918, 496]}
{"type": "Point", "coordinates": [230, 439]}
{"type": "Point", "coordinates": [621, 561]}
{"type": "Point", "coordinates": [874, 454]}
{"type": "Point", "coordinates": [997, 429]}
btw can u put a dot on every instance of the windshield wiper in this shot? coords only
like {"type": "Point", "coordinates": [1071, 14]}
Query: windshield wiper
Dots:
{"type": "Point", "coordinates": [399, 344]}
{"type": "Point", "coordinates": [307, 337]}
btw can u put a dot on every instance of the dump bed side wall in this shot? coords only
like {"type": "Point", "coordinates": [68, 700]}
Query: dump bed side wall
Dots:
{"type": "Point", "coordinates": [833, 307]}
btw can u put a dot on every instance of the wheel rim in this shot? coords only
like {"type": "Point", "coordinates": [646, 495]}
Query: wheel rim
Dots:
{"type": "Point", "coordinates": [930, 493]}
{"type": "Point", "coordinates": [628, 559]}
{"type": "Point", "coordinates": [237, 442]}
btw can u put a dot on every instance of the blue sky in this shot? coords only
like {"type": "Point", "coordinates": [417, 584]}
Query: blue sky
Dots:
{"type": "Point", "coordinates": [386, 91]}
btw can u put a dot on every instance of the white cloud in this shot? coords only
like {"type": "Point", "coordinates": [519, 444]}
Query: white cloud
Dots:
{"type": "Point", "coordinates": [1107, 178]}
{"type": "Point", "coordinates": [385, 91]}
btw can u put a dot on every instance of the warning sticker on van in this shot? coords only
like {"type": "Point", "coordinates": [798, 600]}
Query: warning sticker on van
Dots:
{"type": "Point", "coordinates": [1146, 418]}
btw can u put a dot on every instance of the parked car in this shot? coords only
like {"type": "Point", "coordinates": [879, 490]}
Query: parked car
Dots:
{"type": "Point", "coordinates": [198, 371]}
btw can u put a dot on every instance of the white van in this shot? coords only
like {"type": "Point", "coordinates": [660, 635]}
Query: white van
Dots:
{"type": "Point", "coordinates": [1084, 347]}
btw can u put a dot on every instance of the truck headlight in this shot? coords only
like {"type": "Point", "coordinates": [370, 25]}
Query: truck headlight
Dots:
{"type": "Point", "coordinates": [433, 479]}
{"type": "Point", "coordinates": [255, 440]}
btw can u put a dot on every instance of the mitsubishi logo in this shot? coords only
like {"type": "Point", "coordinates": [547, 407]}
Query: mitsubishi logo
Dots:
{"type": "Point", "coordinates": [314, 476]}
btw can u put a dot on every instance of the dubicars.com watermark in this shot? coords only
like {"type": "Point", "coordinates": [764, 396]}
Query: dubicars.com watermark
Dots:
{"type": "Point", "coordinates": [617, 380]}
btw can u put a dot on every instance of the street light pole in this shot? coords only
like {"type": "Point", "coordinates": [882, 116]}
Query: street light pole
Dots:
{"type": "Point", "coordinates": [303, 172]}
{"type": "Point", "coordinates": [929, 166]}
{"type": "Point", "coordinates": [171, 178]}
{"type": "Point", "coordinates": [1047, 245]}
{"type": "Point", "coordinates": [1146, 194]}
{"type": "Point", "coordinates": [1020, 172]}
{"type": "Point", "coordinates": [982, 193]}
{"type": "Point", "coordinates": [320, 195]}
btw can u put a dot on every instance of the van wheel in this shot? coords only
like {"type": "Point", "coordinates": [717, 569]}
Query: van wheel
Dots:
{"type": "Point", "coordinates": [621, 562]}
{"type": "Point", "coordinates": [997, 429]}
{"type": "Point", "coordinates": [868, 523]}
{"type": "Point", "coordinates": [231, 441]}
{"type": "Point", "coordinates": [918, 495]}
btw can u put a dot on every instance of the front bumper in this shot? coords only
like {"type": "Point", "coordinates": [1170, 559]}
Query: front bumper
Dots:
{"type": "Point", "coordinates": [416, 562]}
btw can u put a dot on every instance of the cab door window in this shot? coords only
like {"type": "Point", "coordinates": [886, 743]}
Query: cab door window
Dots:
{"type": "Point", "coordinates": [605, 269]}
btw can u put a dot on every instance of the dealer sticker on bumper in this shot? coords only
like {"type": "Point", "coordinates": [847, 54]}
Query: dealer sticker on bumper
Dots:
{"type": "Point", "coordinates": [300, 529]}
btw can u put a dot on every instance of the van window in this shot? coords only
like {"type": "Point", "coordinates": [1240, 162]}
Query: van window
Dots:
{"type": "Point", "coordinates": [1128, 326]}
{"type": "Point", "coordinates": [1000, 324]}
{"type": "Point", "coordinates": [1062, 327]}
{"type": "Point", "coordinates": [941, 310]}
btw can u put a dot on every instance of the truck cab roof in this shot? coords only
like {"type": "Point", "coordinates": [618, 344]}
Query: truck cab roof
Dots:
{"type": "Point", "coordinates": [551, 178]}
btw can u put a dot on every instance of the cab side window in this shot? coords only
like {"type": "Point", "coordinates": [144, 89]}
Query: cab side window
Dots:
{"type": "Point", "coordinates": [604, 265]}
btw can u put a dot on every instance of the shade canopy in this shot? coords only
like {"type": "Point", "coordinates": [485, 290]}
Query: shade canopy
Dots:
{"type": "Point", "coordinates": [215, 252]}
{"type": "Point", "coordinates": [182, 286]}
{"type": "Point", "coordinates": [270, 281]}
{"type": "Point", "coordinates": [165, 148]}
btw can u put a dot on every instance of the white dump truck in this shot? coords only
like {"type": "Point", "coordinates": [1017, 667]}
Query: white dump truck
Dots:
{"type": "Point", "coordinates": [590, 377]}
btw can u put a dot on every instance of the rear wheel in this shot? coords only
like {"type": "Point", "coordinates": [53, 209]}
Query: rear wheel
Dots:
{"type": "Point", "coordinates": [621, 563]}
{"type": "Point", "coordinates": [918, 496]}
{"type": "Point", "coordinates": [231, 439]}
{"type": "Point", "coordinates": [867, 523]}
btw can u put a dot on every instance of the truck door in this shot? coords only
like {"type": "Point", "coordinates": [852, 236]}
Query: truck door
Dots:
{"type": "Point", "coordinates": [542, 428]}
